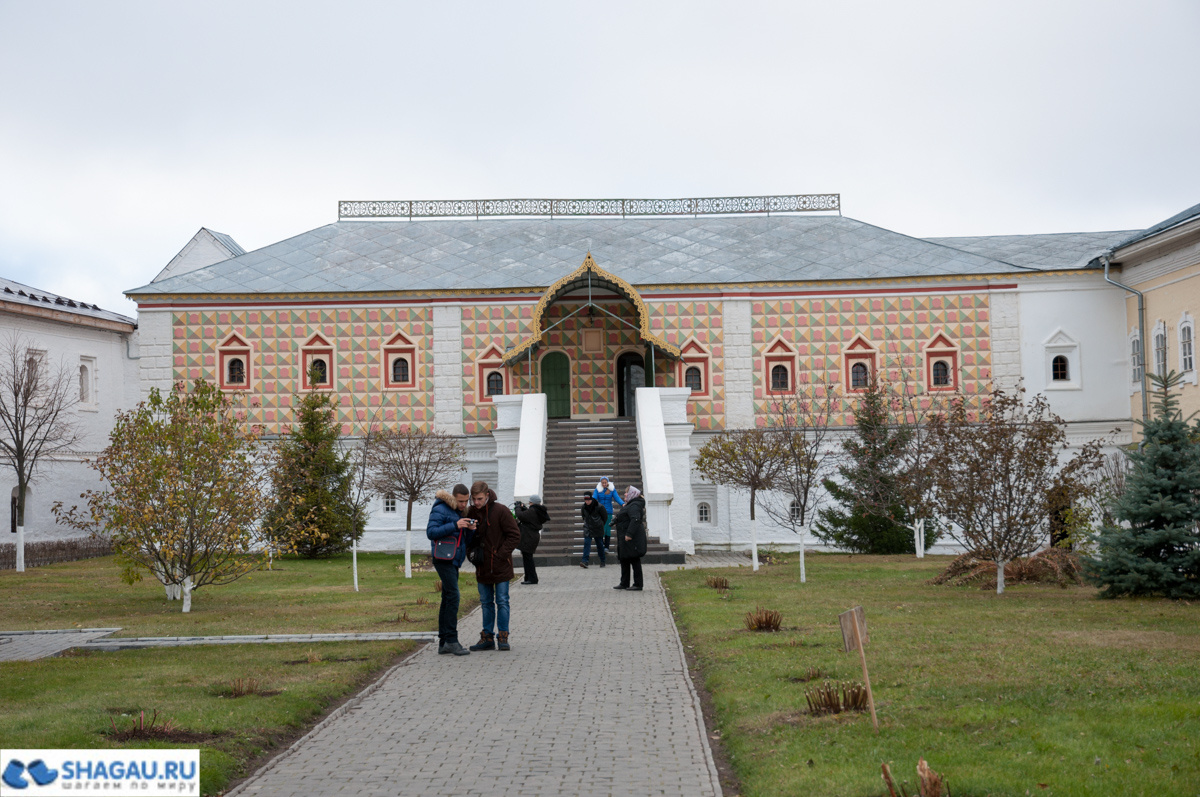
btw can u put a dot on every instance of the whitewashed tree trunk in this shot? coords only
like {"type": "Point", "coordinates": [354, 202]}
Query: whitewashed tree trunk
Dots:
{"type": "Point", "coordinates": [803, 538]}
{"type": "Point", "coordinates": [20, 549]}
{"type": "Point", "coordinates": [408, 553]}
{"type": "Point", "coordinates": [354, 561]}
{"type": "Point", "coordinates": [919, 532]}
{"type": "Point", "coordinates": [754, 542]}
{"type": "Point", "coordinates": [187, 594]}
{"type": "Point", "coordinates": [1000, 577]}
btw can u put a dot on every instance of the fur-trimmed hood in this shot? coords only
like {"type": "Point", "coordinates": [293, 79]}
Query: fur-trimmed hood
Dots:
{"type": "Point", "coordinates": [447, 498]}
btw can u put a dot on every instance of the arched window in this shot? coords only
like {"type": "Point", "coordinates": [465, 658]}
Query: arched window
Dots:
{"type": "Point", "coordinates": [703, 513]}
{"type": "Point", "coordinates": [1187, 359]}
{"type": "Point", "coordinates": [1060, 369]}
{"type": "Point", "coordinates": [389, 502]}
{"type": "Point", "coordinates": [1135, 357]}
{"type": "Point", "coordinates": [320, 371]}
{"type": "Point", "coordinates": [779, 378]}
{"type": "Point", "coordinates": [794, 510]}
{"type": "Point", "coordinates": [84, 396]}
{"type": "Point", "coordinates": [941, 374]}
{"type": "Point", "coordinates": [1160, 353]}
{"type": "Point", "coordinates": [860, 377]}
{"type": "Point", "coordinates": [691, 379]}
{"type": "Point", "coordinates": [237, 371]}
{"type": "Point", "coordinates": [400, 370]}
{"type": "Point", "coordinates": [495, 384]}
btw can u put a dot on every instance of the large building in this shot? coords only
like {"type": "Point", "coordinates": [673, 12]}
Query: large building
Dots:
{"type": "Point", "coordinates": [461, 316]}
{"type": "Point", "coordinates": [97, 350]}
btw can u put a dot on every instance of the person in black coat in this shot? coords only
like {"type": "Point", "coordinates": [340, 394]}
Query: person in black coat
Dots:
{"type": "Point", "coordinates": [595, 518]}
{"type": "Point", "coordinates": [629, 527]}
{"type": "Point", "coordinates": [530, 520]}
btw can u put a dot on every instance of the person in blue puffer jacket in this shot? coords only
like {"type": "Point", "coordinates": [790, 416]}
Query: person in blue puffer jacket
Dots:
{"type": "Point", "coordinates": [445, 519]}
{"type": "Point", "coordinates": [606, 494]}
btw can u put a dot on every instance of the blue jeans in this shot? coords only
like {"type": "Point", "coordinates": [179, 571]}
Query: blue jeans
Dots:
{"type": "Point", "coordinates": [494, 599]}
{"type": "Point", "coordinates": [448, 610]}
{"type": "Point", "coordinates": [587, 549]}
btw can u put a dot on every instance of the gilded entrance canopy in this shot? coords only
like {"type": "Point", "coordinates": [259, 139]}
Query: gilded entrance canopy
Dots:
{"type": "Point", "coordinates": [588, 276]}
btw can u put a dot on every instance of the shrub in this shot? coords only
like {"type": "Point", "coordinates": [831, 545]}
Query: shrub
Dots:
{"type": "Point", "coordinates": [763, 619]}
{"type": "Point", "coordinates": [1051, 566]}
{"type": "Point", "coordinates": [831, 698]}
{"type": "Point", "coordinates": [48, 552]}
{"type": "Point", "coordinates": [717, 582]}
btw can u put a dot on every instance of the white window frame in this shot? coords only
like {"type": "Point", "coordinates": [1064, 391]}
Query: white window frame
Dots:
{"type": "Point", "coordinates": [1161, 363]}
{"type": "Point", "coordinates": [1060, 344]}
{"type": "Point", "coordinates": [704, 508]}
{"type": "Point", "coordinates": [1186, 321]}
{"type": "Point", "coordinates": [389, 503]}
{"type": "Point", "coordinates": [1136, 352]}
{"type": "Point", "coordinates": [93, 400]}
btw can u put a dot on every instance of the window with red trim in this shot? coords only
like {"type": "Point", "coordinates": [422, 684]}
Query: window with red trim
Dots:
{"type": "Point", "coordinates": [233, 364]}
{"type": "Point", "coordinates": [491, 377]}
{"type": "Point", "coordinates": [694, 369]}
{"type": "Point", "coordinates": [860, 360]}
{"type": "Point", "coordinates": [316, 356]}
{"type": "Point", "coordinates": [941, 363]}
{"type": "Point", "coordinates": [399, 363]}
{"type": "Point", "coordinates": [779, 371]}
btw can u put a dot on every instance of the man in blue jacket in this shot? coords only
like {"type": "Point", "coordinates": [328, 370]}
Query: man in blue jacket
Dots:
{"type": "Point", "coordinates": [446, 519]}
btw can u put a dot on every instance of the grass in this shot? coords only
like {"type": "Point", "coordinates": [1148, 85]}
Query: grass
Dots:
{"type": "Point", "coordinates": [1041, 691]}
{"type": "Point", "coordinates": [75, 700]}
{"type": "Point", "coordinates": [297, 596]}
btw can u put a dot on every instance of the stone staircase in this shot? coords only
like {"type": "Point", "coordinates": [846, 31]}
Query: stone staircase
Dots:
{"type": "Point", "coordinates": [578, 453]}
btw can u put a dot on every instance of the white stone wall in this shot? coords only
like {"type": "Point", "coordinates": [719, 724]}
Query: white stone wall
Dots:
{"type": "Point", "coordinates": [447, 368]}
{"type": "Point", "coordinates": [155, 363]}
{"type": "Point", "coordinates": [1006, 338]}
{"type": "Point", "coordinates": [739, 363]}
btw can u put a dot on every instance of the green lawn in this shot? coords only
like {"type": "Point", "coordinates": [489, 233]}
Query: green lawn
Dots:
{"type": "Point", "coordinates": [1042, 690]}
{"type": "Point", "coordinates": [72, 701]}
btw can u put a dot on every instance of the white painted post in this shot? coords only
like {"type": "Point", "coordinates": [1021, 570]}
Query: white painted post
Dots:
{"type": "Point", "coordinates": [408, 553]}
{"type": "Point", "coordinates": [754, 542]}
{"type": "Point", "coordinates": [803, 537]}
{"type": "Point", "coordinates": [20, 549]}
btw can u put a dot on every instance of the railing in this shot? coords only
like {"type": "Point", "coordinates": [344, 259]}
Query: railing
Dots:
{"type": "Point", "coordinates": [477, 208]}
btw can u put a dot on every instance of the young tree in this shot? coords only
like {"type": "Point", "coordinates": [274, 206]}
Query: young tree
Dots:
{"type": "Point", "coordinates": [872, 517]}
{"type": "Point", "coordinates": [1159, 552]}
{"type": "Point", "coordinates": [35, 418]}
{"type": "Point", "coordinates": [747, 460]}
{"type": "Point", "coordinates": [413, 463]}
{"type": "Point", "coordinates": [311, 470]}
{"type": "Point", "coordinates": [185, 492]}
{"type": "Point", "coordinates": [998, 470]}
{"type": "Point", "coordinates": [800, 422]}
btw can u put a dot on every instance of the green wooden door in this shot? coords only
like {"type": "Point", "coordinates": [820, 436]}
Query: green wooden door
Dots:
{"type": "Point", "coordinates": [556, 384]}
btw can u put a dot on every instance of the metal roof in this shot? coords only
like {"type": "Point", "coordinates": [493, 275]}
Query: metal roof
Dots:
{"type": "Point", "coordinates": [435, 255]}
{"type": "Point", "coordinates": [1166, 224]}
{"type": "Point", "coordinates": [1051, 251]}
{"type": "Point", "coordinates": [21, 294]}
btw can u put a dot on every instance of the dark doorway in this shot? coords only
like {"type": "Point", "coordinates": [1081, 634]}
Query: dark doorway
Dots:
{"type": "Point", "coordinates": [631, 374]}
{"type": "Point", "coordinates": [556, 384]}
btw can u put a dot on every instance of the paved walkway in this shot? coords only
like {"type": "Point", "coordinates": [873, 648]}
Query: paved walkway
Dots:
{"type": "Point", "coordinates": [594, 699]}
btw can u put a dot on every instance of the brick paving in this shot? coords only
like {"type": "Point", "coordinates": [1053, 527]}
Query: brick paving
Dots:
{"type": "Point", "coordinates": [594, 699]}
{"type": "Point", "coordinates": [29, 645]}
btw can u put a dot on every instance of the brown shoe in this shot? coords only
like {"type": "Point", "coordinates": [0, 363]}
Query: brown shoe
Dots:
{"type": "Point", "coordinates": [502, 641]}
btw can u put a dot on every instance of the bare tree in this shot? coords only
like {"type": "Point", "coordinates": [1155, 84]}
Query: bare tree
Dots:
{"type": "Point", "coordinates": [412, 463]}
{"type": "Point", "coordinates": [997, 470]}
{"type": "Point", "coordinates": [800, 421]}
{"type": "Point", "coordinates": [744, 459]}
{"type": "Point", "coordinates": [35, 403]}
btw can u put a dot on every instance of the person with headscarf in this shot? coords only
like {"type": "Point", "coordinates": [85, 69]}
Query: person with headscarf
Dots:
{"type": "Point", "coordinates": [595, 521]}
{"type": "Point", "coordinates": [630, 527]}
{"type": "Point", "coordinates": [606, 494]}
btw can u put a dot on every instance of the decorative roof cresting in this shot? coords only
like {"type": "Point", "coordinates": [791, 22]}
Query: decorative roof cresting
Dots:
{"type": "Point", "coordinates": [705, 206]}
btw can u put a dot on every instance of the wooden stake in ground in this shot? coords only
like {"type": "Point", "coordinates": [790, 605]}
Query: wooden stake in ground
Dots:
{"type": "Point", "coordinates": [854, 637]}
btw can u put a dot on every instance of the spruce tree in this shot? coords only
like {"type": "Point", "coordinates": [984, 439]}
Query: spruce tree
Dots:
{"type": "Point", "coordinates": [1159, 553]}
{"type": "Point", "coordinates": [867, 482]}
{"type": "Point", "coordinates": [316, 479]}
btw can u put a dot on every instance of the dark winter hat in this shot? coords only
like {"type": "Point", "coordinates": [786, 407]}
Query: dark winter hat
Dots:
{"type": "Point", "coordinates": [535, 499]}
{"type": "Point", "coordinates": [589, 497]}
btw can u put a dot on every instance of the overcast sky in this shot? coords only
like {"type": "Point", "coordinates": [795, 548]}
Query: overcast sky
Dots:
{"type": "Point", "coordinates": [127, 126]}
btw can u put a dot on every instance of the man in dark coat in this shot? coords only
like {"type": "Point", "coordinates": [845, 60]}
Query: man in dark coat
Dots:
{"type": "Point", "coordinates": [496, 537]}
{"type": "Point", "coordinates": [595, 520]}
{"type": "Point", "coordinates": [446, 519]}
{"type": "Point", "coordinates": [629, 526]}
{"type": "Point", "coordinates": [530, 519]}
